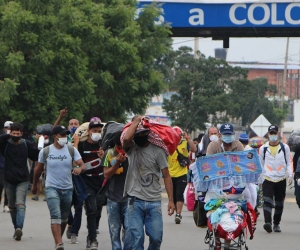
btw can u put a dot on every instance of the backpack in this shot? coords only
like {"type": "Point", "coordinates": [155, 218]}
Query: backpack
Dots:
{"type": "Point", "coordinates": [281, 147]}
{"type": "Point", "coordinates": [183, 160]}
{"type": "Point", "coordinates": [23, 142]}
{"type": "Point", "coordinates": [45, 156]}
{"type": "Point", "coordinates": [109, 130]}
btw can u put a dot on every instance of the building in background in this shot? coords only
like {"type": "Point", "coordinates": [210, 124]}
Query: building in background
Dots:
{"type": "Point", "coordinates": [274, 75]}
{"type": "Point", "coordinates": [155, 110]}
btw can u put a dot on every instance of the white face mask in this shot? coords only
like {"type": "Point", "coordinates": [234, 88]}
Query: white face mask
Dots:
{"type": "Point", "coordinates": [96, 137]}
{"type": "Point", "coordinates": [62, 141]}
{"type": "Point", "coordinates": [213, 138]}
{"type": "Point", "coordinates": [46, 141]}
{"type": "Point", "coordinates": [8, 132]}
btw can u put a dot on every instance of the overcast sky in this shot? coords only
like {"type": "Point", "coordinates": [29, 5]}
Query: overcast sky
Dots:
{"type": "Point", "coordinates": [267, 50]}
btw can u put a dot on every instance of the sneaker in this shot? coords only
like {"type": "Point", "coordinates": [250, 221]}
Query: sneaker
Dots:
{"type": "Point", "coordinates": [69, 233]}
{"type": "Point", "coordinates": [178, 218]}
{"type": "Point", "coordinates": [94, 245]}
{"type": "Point", "coordinates": [88, 243]}
{"type": "Point", "coordinates": [35, 198]}
{"type": "Point", "coordinates": [18, 234]}
{"type": "Point", "coordinates": [268, 227]}
{"type": "Point", "coordinates": [5, 209]}
{"type": "Point", "coordinates": [277, 229]}
{"type": "Point", "coordinates": [73, 239]}
{"type": "Point", "coordinates": [60, 246]}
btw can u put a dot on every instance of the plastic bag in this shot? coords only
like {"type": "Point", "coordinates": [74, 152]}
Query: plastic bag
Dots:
{"type": "Point", "coordinates": [199, 213]}
{"type": "Point", "coordinates": [190, 197]}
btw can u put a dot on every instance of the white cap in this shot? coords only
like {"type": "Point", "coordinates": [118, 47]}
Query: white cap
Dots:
{"type": "Point", "coordinates": [7, 124]}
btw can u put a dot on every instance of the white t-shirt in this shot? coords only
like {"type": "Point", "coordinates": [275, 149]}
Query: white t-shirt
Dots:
{"type": "Point", "coordinates": [59, 167]}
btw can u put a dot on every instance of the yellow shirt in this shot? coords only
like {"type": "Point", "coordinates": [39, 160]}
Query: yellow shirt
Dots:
{"type": "Point", "coordinates": [174, 167]}
{"type": "Point", "coordinates": [274, 149]}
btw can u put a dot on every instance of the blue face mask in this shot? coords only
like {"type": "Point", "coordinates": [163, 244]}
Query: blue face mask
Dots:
{"type": "Point", "coordinates": [73, 129]}
{"type": "Point", "coordinates": [273, 138]}
{"type": "Point", "coordinates": [227, 138]}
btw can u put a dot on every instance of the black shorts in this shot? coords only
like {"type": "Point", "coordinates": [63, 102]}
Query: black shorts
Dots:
{"type": "Point", "coordinates": [179, 184]}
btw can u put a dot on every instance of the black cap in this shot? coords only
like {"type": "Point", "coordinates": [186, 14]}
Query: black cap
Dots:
{"type": "Point", "coordinates": [94, 124]}
{"type": "Point", "coordinates": [273, 128]}
{"type": "Point", "coordinates": [60, 130]}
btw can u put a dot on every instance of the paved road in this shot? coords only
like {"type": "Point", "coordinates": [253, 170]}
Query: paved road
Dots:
{"type": "Point", "coordinates": [37, 234]}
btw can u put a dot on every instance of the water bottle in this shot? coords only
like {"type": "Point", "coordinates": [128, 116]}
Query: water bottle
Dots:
{"type": "Point", "coordinates": [41, 142]}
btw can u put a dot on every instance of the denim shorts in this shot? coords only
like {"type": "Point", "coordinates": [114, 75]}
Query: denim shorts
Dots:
{"type": "Point", "coordinates": [59, 203]}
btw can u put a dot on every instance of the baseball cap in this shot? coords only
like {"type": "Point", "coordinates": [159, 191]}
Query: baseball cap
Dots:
{"type": "Point", "coordinates": [226, 129]}
{"type": "Point", "coordinates": [244, 138]}
{"type": "Point", "coordinates": [7, 124]}
{"type": "Point", "coordinates": [140, 128]}
{"type": "Point", "coordinates": [60, 130]}
{"type": "Point", "coordinates": [94, 124]}
{"type": "Point", "coordinates": [273, 128]}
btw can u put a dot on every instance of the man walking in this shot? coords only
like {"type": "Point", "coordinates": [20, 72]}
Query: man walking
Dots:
{"type": "Point", "coordinates": [142, 186]}
{"type": "Point", "coordinates": [6, 130]}
{"type": "Point", "coordinates": [178, 173]}
{"type": "Point", "coordinates": [115, 170]}
{"type": "Point", "coordinates": [93, 179]}
{"type": "Point", "coordinates": [16, 151]}
{"type": "Point", "coordinates": [275, 157]}
{"type": "Point", "coordinates": [59, 158]}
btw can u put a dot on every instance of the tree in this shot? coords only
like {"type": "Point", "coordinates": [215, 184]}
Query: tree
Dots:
{"type": "Point", "coordinates": [90, 56]}
{"type": "Point", "coordinates": [249, 99]}
{"type": "Point", "coordinates": [201, 87]}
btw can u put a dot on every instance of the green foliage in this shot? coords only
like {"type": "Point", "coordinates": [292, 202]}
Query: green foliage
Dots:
{"type": "Point", "coordinates": [92, 57]}
{"type": "Point", "coordinates": [249, 100]}
{"type": "Point", "coordinates": [201, 86]}
{"type": "Point", "coordinates": [210, 90]}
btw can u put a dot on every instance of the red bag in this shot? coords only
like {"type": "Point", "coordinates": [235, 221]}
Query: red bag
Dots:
{"type": "Point", "coordinates": [190, 197]}
{"type": "Point", "coordinates": [160, 135]}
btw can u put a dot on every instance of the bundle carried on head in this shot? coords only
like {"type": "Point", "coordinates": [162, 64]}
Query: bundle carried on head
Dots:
{"type": "Point", "coordinates": [82, 130]}
{"type": "Point", "coordinates": [160, 135]}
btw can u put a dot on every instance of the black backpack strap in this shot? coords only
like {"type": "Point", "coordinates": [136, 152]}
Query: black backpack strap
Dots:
{"type": "Point", "coordinates": [283, 150]}
{"type": "Point", "coordinates": [71, 151]}
{"type": "Point", "coordinates": [265, 150]}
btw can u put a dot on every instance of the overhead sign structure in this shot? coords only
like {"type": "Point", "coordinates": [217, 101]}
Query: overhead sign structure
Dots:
{"type": "Point", "coordinates": [211, 16]}
{"type": "Point", "coordinates": [260, 125]}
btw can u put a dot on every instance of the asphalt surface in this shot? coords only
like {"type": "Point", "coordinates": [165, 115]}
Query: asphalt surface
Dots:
{"type": "Point", "coordinates": [37, 234]}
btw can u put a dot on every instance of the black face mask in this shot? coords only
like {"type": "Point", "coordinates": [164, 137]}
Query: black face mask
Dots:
{"type": "Point", "coordinates": [15, 138]}
{"type": "Point", "coordinates": [141, 140]}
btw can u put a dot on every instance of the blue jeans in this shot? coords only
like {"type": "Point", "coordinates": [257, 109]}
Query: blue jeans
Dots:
{"type": "Point", "coordinates": [116, 212]}
{"type": "Point", "coordinates": [145, 213]}
{"type": "Point", "coordinates": [16, 195]}
{"type": "Point", "coordinates": [59, 204]}
{"type": "Point", "coordinates": [75, 220]}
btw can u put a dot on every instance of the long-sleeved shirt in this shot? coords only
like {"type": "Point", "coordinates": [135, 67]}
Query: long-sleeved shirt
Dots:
{"type": "Point", "coordinates": [275, 167]}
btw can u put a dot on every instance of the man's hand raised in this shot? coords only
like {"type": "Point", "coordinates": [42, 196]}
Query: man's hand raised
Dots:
{"type": "Point", "coordinates": [63, 112]}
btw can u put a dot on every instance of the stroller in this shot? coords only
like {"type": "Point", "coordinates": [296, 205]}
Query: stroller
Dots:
{"type": "Point", "coordinates": [234, 238]}
{"type": "Point", "coordinates": [225, 177]}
